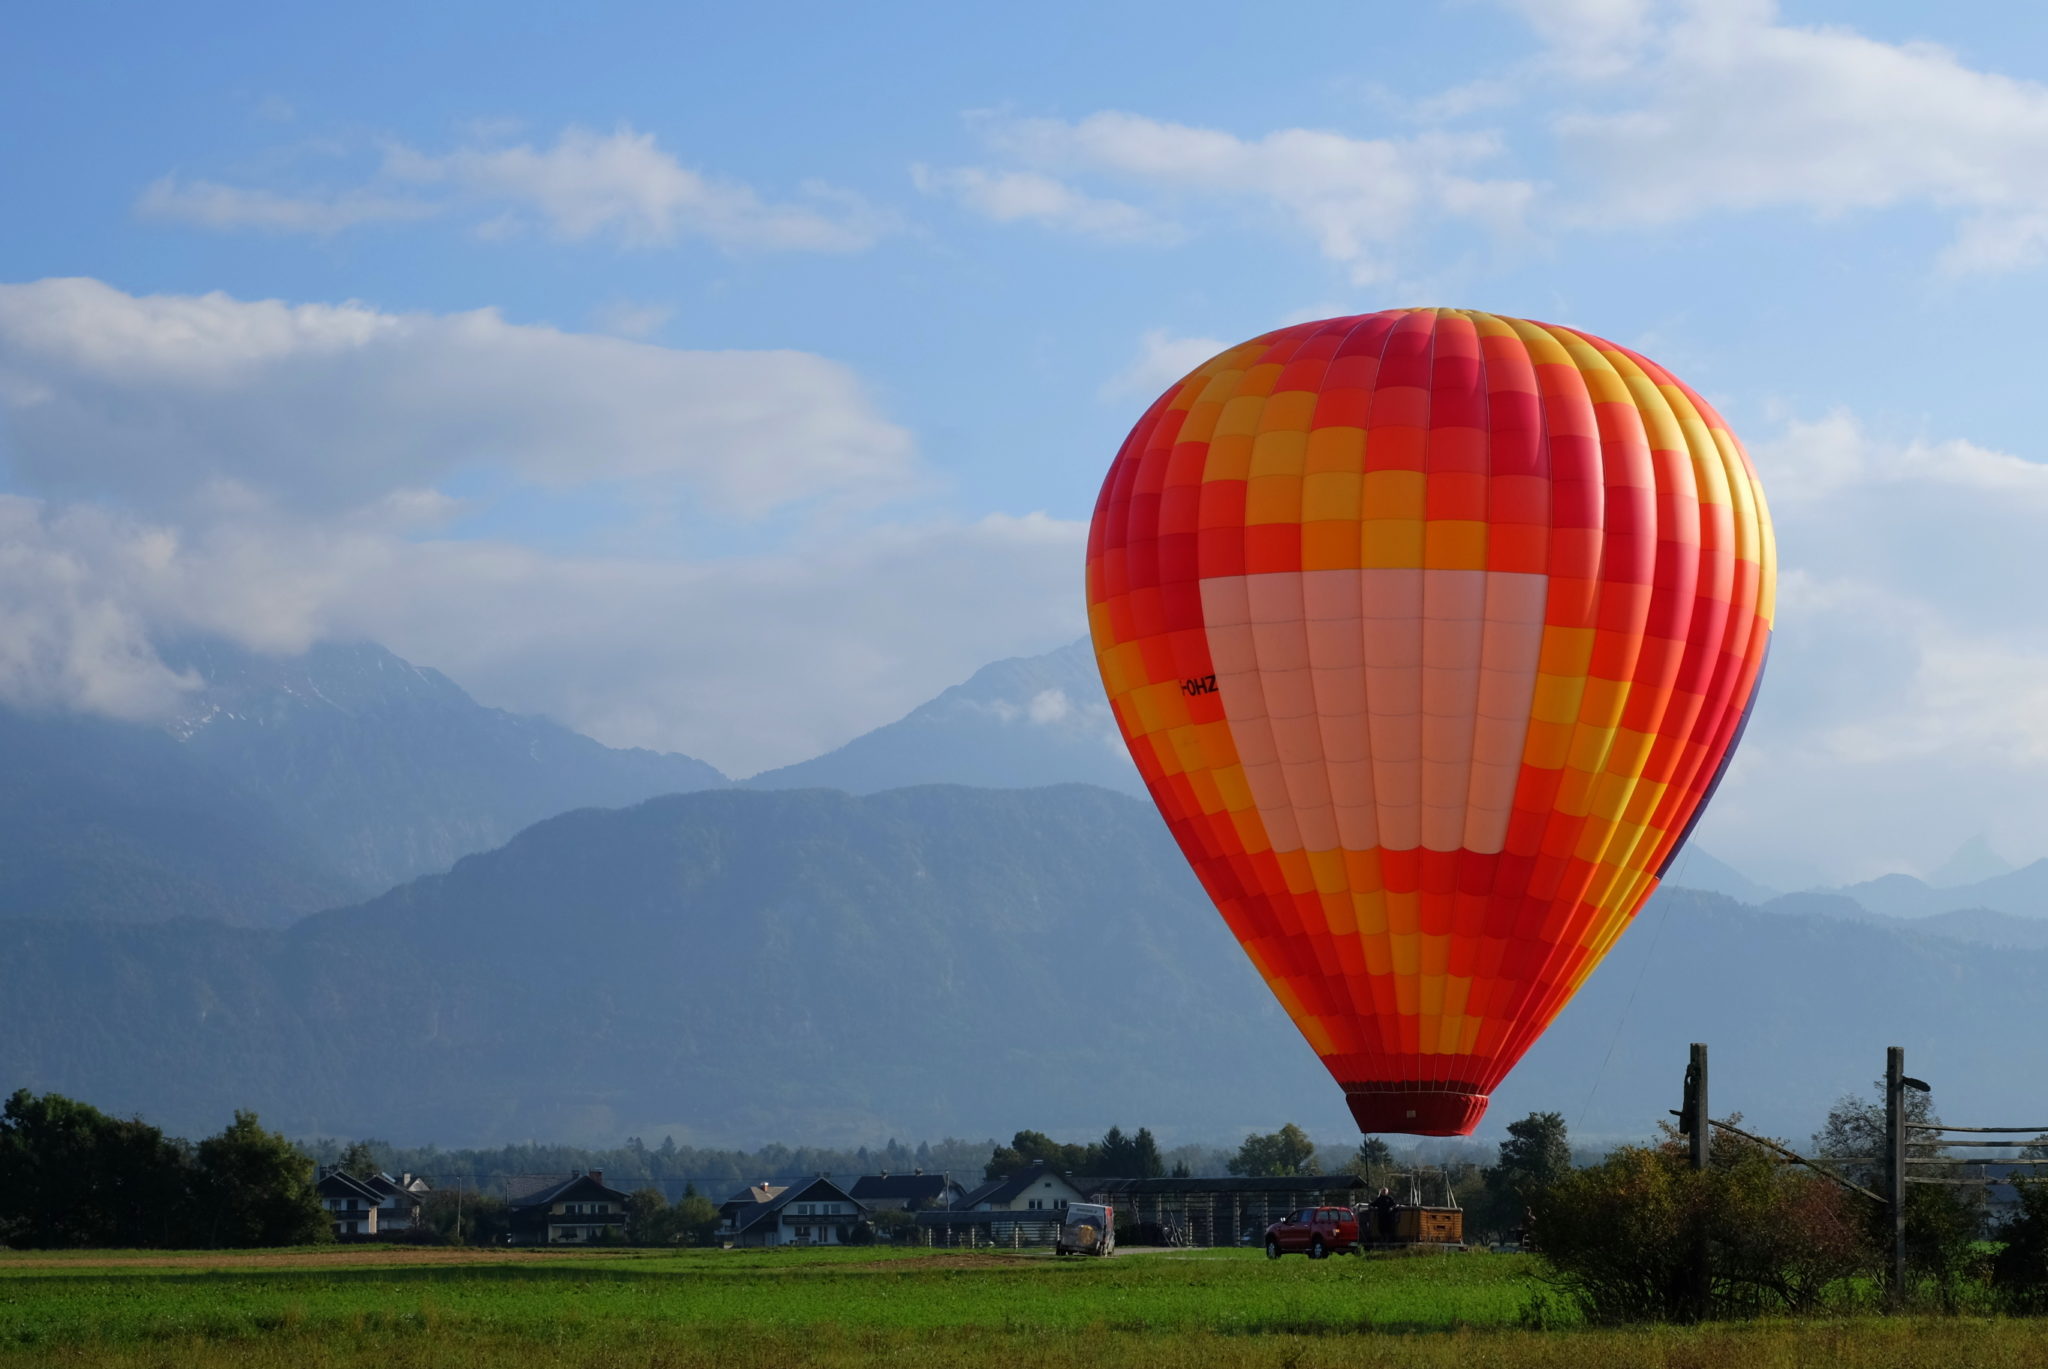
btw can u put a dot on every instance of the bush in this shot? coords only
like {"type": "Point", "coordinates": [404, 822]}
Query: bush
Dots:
{"type": "Point", "coordinates": [1624, 1239]}
{"type": "Point", "coordinates": [895, 1224]}
{"type": "Point", "coordinates": [2019, 1272]}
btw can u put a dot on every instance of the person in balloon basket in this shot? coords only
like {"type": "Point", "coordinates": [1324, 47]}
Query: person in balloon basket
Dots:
{"type": "Point", "coordinates": [1383, 1208]}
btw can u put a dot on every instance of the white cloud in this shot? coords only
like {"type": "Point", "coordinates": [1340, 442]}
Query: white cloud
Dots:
{"type": "Point", "coordinates": [1905, 709]}
{"type": "Point", "coordinates": [621, 185]}
{"type": "Point", "coordinates": [1360, 199]}
{"type": "Point", "coordinates": [747, 663]}
{"type": "Point", "coordinates": [73, 634]}
{"type": "Point", "coordinates": [1050, 706]}
{"type": "Point", "coordinates": [1825, 457]}
{"type": "Point", "coordinates": [159, 398]}
{"type": "Point", "coordinates": [1724, 108]}
{"type": "Point", "coordinates": [630, 318]}
{"type": "Point", "coordinates": [626, 185]}
{"type": "Point", "coordinates": [1011, 196]}
{"type": "Point", "coordinates": [1163, 358]}
{"type": "Point", "coordinates": [1590, 37]}
{"type": "Point", "coordinates": [275, 468]}
{"type": "Point", "coordinates": [209, 204]}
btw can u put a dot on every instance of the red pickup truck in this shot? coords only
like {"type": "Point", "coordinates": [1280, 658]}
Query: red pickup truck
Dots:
{"type": "Point", "coordinates": [1318, 1232]}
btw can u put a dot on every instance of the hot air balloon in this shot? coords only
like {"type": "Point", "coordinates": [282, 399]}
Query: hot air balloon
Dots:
{"type": "Point", "coordinates": [1430, 631]}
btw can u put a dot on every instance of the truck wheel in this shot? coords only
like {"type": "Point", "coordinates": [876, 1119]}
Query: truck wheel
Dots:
{"type": "Point", "coordinates": [1317, 1251]}
{"type": "Point", "coordinates": [1272, 1248]}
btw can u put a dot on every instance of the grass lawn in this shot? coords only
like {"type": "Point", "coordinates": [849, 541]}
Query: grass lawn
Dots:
{"type": "Point", "coordinates": [392, 1306]}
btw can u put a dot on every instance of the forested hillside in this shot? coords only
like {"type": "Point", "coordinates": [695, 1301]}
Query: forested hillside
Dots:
{"type": "Point", "coordinates": [730, 967]}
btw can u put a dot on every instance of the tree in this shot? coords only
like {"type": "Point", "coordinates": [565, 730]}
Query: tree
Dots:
{"type": "Point", "coordinates": [359, 1160]}
{"type": "Point", "coordinates": [649, 1218]}
{"type": "Point", "coordinates": [72, 1176]}
{"type": "Point", "coordinates": [1145, 1161]}
{"type": "Point", "coordinates": [1373, 1161]}
{"type": "Point", "coordinates": [1536, 1155]}
{"type": "Point", "coordinates": [456, 1217]}
{"type": "Point", "coordinates": [695, 1218]}
{"type": "Point", "coordinates": [1028, 1148]}
{"type": "Point", "coordinates": [255, 1188]}
{"type": "Point", "coordinates": [1943, 1222]}
{"type": "Point", "coordinates": [1286, 1151]}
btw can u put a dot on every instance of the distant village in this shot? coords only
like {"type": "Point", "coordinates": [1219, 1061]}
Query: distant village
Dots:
{"type": "Point", "coordinates": [1020, 1209]}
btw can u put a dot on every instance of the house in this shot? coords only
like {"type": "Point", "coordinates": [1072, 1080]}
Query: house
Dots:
{"type": "Point", "coordinates": [576, 1210]}
{"type": "Point", "coordinates": [753, 1195]}
{"type": "Point", "coordinates": [353, 1207]}
{"type": "Point", "coordinates": [814, 1212]}
{"type": "Point", "coordinates": [1035, 1188]}
{"type": "Point", "coordinates": [400, 1199]}
{"type": "Point", "coordinates": [907, 1192]}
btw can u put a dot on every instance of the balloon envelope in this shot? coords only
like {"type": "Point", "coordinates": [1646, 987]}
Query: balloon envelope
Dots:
{"type": "Point", "coordinates": [1430, 631]}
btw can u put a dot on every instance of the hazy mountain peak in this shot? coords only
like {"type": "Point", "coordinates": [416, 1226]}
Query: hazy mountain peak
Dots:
{"type": "Point", "coordinates": [1698, 869]}
{"type": "Point", "coordinates": [1973, 861]}
{"type": "Point", "coordinates": [345, 677]}
{"type": "Point", "coordinates": [1018, 723]}
{"type": "Point", "coordinates": [363, 768]}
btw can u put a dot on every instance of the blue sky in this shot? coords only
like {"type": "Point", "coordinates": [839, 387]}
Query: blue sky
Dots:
{"type": "Point", "coordinates": [731, 379]}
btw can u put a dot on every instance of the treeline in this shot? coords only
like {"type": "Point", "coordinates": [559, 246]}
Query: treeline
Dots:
{"type": "Point", "coordinates": [667, 1167]}
{"type": "Point", "coordinates": [71, 1176]}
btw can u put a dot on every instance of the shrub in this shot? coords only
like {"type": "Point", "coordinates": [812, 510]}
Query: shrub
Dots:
{"type": "Point", "coordinates": [895, 1224]}
{"type": "Point", "coordinates": [2019, 1272]}
{"type": "Point", "coordinates": [1624, 1239]}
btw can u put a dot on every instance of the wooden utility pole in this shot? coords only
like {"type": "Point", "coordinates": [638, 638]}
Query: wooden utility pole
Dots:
{"type": "Point", "coordinates": [1895, 1164]}
{"type": "Point", "coordinates": [1696, 1104]}
{"type": "Point", "coordinates": [1702, 1150]}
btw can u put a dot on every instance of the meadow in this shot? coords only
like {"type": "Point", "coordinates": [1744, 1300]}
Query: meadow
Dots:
{"type": "Point", "coordinates": [449, 1309]}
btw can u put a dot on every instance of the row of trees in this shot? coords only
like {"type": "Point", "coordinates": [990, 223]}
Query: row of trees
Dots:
{"type": "Point", "coordinates": [72, 1176]}
{"type": "Point", "coordinates": [1127, 1157]}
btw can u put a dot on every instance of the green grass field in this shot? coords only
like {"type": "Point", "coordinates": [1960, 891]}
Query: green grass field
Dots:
{"type": "Point", "coordinates": [381, 1306]}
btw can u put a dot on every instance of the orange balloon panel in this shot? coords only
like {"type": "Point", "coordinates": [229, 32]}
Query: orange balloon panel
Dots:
{"type": "Point", "coordinates": [1431, 631]}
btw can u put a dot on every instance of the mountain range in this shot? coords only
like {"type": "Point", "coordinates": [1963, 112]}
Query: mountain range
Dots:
{"type": "Point", "coordinates": [888, 952]}
{"type": "Point", "coordinates": [287, 785]}
{"type": "Point", "coordinates": [732, 965]}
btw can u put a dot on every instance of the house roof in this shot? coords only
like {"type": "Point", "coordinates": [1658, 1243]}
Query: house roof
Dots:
{"type": "Point", "coordinates": [811, 1190]}
{"type": "Point", "coordinates": [391, 1188]}
{"type": "Point", "coordinates": [1007, 1188]}
{"type": "Point", "coordinates": [754, 1193]}
{"type": "Point", "coordinates": [1296, 1185]}
{"type": "Point", "coordinates": [907, 1187]}
{"type": "Point", "coordinates": [340, 1185]}
{"type": "Point", "coordinates": [561, 1190]}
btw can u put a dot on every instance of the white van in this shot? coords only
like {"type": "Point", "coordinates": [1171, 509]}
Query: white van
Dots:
{"type": "Point", "coordinates": [1086, 1229]}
